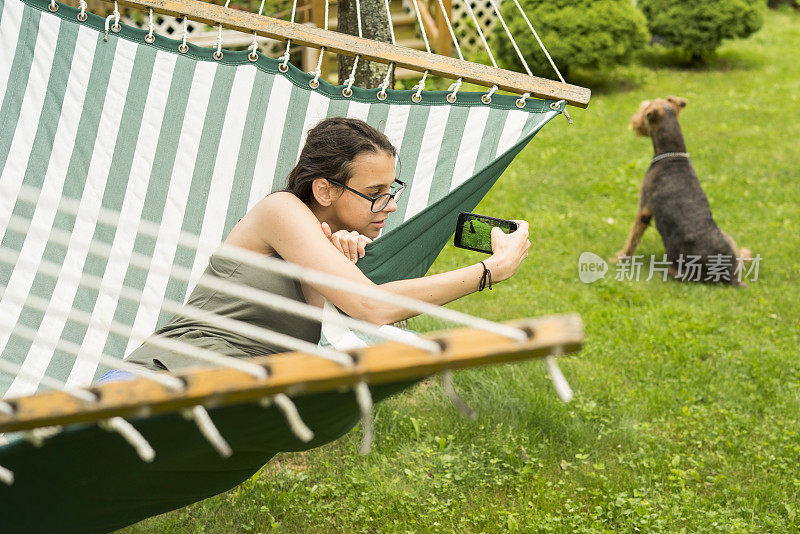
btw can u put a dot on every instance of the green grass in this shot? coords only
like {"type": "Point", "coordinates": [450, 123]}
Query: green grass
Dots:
{"type": "Point", "coordinates": [687, 399]}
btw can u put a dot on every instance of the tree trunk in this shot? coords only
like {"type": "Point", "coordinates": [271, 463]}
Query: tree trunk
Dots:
{"type": "Point", "coordinates": [374, 25]}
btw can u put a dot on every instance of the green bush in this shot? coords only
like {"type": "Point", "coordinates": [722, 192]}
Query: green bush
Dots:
{"type": "Point", "coordinates": [585, 34]}
{"type": "Point", "coordinates": [698, 28]}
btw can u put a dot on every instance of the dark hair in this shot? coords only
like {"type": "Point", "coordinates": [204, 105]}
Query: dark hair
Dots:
{"type": "Point", "coordinates": [331, 146]}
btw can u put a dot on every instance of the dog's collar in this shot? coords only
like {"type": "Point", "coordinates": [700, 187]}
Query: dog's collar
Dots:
{"type": "Point", "coordinates": [670, 155]}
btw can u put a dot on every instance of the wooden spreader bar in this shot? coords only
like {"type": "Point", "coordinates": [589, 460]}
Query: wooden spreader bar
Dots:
{"type": "Point", "coordinates": [368, 49]}
{"type": "Point", "coordinates": [296, 373]}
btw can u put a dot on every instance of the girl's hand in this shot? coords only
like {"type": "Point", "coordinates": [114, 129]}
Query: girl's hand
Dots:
{"type": "Point", "coordinates": [508, 251]}
{"type": "Point", "coordinates": [351, 244]}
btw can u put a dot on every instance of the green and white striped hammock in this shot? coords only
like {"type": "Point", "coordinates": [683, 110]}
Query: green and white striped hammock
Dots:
{"type": "Point", "coordinates": [189, 143]}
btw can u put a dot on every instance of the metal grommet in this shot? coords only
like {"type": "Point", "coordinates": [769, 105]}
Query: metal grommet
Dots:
{"type": "Point", "coordinates": [283, 67]}
{"type": "Point", "coordinates": [82, 17]}
{"type": "Point", "coordinates": [253, 56]}
{"type": "Point", "coordinates": [381, 95]}
{"type": "Point", "coordinates": [217, 55]}
{"type": "Point", "coordinates": [451, 97]}
{"type": "Point", "coordinates": [347, 92]}
{"type": "Point", "coordinates": [521, 103]}
{"type": "Point", "coordinates": [416, 98]}
{"type": "Point", "coordinates": [312, 83]}
{"type": "Point", "coordinates": [486, 99]}
{"type": "Point", "coordinates": [554, 106]}
{"type": "Point", "coordinates": [149, 38]}
{"type": "Point", "coordinates": [183, 48]}
{"type": "Point", "coordinates": [53, 7]}
{"type": "Point", "coordinates": [116, 27]}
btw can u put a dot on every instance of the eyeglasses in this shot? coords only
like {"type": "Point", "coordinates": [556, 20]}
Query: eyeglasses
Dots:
{"type": "Point", "coordinates": [381, 201]}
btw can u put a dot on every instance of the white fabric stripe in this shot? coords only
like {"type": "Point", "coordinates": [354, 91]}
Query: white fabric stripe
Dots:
{"type": "Point", "coordinates": [52, 187]}
{"type": "Point", "coordinates": [396, 122]}
{"type": "Point", "coordinates": [317, 110]}
{"type": "Point", "coordinates": [470, 143]}
{"type": "Point", "coordinates": [358, 110]}
{"type": "Point", "coordinates": [64, 293]}
{"type": "Point", "coordinates": [264, 175]}
{"type": "Point", "coordinates": [175, 206]}
{"type": "Point", "coordinates": [515, 122]}
{"type": "Point", "coordinates": [219, 193]}
{"type": "Point", "coordinates": [130, 214]}
{"type": "Point", "coordinates": [28, 121]}
{"type": "Point", "coordinates": [9, 34]}
{"type": "Point", "coordinates": [426, 163]}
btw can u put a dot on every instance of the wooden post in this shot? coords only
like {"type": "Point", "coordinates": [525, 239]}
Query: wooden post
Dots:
{"type": "Point", "coordinates": [444, 42]}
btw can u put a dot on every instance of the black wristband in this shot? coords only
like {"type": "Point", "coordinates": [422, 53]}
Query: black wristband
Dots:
{"type": "Point", "coordinates": [486, 279]}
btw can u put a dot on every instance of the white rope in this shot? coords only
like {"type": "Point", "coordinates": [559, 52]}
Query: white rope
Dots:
{"type": "Point", "coordinates": [254, 46]}
{"type": "Point", "coordinates": [389, 16]}
{"type": "Point", "coordinates": [480, 33]}
{"type": "Point", "coordinates": [183, 45]}
{"type": "Point", "coordinates": [318, 70]}
{"type": "Point", "coordinates": [559, 382]}
{"type": "Point", "coordinates": [454, 88]}
{"type": "Point", "coordinates": [200, 416]}
{"type": "Point", "coordinates": [304, 274]}
{"type": "Point", "coordinates": [52, 383]}
{"type": "Point", "coordinates": [421, 85]}
{"type": "Point", "coordinates": [82, 14]}
{"type": "Point", "coordinates": [285, 56]}
{"type": "Point", "coordinates": [277, 302]}
{"type": "Point", "coordinates": [6, 476]}
{"type": "Point", "coordinates": [74, 349]}
{"type": "Point", "coordinates": [273, 265]}
{"type": "Point", "coordinates": [387, 79]}
{"type": "Point", "coordinates": [450, 28]}
{"type": "Point", "coordinates": [348, 90]}
{"type": "Point", "coordinates": [53, 6]}
{"type": "Point", "coordinates": [541, 44]}
{"type": "Point", "coordinates": [37, 436]}
{"type": "Point", "coordinates": [150, 25]}
{"type": "Point", "coordinates": [129, 433]}
{"type": "Point", "coordinates": [511, 37]}
{"type": "Point", "coordinates": [364, 399]}
{"type": "Point", "coordinates": [450, 390]}
{"type": "Point", "coordinates": [296, 424]}
{"type": "Point", "coordinates": [114, 15]}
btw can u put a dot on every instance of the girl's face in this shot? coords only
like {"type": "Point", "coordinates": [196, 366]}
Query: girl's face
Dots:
{"type": "Point", "coordinates": [372, 174]}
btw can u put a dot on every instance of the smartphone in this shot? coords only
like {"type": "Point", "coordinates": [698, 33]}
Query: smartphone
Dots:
{"type": "Point", "coordinates": [474, 232]}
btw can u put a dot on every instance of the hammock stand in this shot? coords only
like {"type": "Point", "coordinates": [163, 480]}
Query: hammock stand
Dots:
{"type": "Point", "coordinates": [159, 135]}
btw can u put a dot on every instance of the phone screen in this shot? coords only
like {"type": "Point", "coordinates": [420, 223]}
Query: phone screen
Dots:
{"type": "Point", "coordinates": [474, 232]}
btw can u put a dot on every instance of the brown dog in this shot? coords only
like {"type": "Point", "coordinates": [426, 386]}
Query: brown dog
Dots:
{"type": "Point", "coordinates": [696, 248]}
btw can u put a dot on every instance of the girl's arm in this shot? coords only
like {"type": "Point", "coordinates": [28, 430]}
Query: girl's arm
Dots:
{"type": "Point", "coordinates": [284, 224]}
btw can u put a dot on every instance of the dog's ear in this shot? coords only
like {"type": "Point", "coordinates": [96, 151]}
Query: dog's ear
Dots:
{"type": "Point", "coordinates": [654, 114]}
{"type": "Point", "coordinates": [677, 101]}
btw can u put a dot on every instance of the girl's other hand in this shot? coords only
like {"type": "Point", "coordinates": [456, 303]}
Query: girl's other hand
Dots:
{"type": "Point", "coordinates": [351, 244]}
{"type": "Point", "coordinates": [508, 251]}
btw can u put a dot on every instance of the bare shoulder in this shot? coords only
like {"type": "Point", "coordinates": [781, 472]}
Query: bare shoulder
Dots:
{"type": "Point", "coordinates": [269, 220]}
{"type": "Point", "coordinates": [280, 203]}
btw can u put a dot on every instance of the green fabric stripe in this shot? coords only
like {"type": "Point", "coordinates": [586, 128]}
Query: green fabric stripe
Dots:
{"type": "Point", "coordinates": [248, 149]}
{"type": "Point", "coordinates": [17, 80]}
{"type": "Point", "coordinates": [2, 8]}
{"type": "Point", "coordinates": [51, 110]}
{"type": "Point", "coordinates": [157, 189]}
{"type": "Point", "coordinates": [378, 113]}
{"type": "Point", "coordinates": [292, 132]}
{"type": "Point", "coordinates": [409, 154]}
{"type": "Point", "coordinates": [75, 182]}
{"type": "Point", "coordinates": [201, 177]}
{"type": "Point", "coordinates": [491, 137]}
{"type": "Point", "coordinates": [338, 108]}
{"type": "Point", "coordinates": [448, 153]}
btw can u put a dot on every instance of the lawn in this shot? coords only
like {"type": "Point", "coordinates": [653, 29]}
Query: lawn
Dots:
{"type": "Point", "coordinates": [686, 414]}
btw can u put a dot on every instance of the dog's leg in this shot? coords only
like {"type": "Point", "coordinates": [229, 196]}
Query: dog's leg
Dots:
{"type": "Point", "coordinates": [641, 223]}
{"type": "Point", "coordinates": [741, 255]}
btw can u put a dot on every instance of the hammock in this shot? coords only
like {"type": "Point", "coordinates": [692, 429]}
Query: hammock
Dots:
{"type": "Point", "coordinates": [186, 142]}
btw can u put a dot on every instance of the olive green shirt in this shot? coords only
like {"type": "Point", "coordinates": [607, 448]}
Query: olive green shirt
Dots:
{"type": "Point", "coordinates": [209, 336]}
